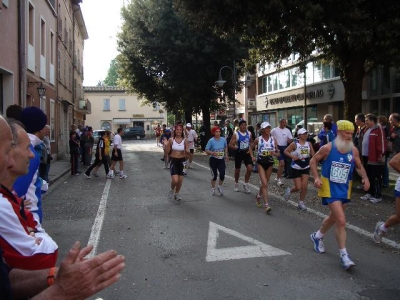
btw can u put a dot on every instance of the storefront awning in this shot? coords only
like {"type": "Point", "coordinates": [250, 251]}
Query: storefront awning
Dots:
{"type": "Point", "coordinates": [122, 121]}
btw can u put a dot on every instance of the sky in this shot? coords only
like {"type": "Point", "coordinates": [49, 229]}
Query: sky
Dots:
{"type": "Point", "coordinates": [103, 22]}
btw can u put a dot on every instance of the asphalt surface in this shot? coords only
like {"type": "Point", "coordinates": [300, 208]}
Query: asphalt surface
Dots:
{"type": "Point", "coordinates": [211, 247]}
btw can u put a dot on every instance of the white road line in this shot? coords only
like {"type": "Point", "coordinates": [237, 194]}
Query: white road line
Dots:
{"type": "Point", "coordinates": [98, 222]}
{"type": "Point", "coordinates": [356, 229]}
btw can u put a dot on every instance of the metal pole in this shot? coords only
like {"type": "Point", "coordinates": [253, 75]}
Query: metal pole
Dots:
{"type": "Point", "coordinates": [305, 98]}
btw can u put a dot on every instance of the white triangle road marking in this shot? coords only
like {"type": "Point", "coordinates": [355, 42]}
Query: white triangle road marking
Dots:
{"type": "Point", "coordinates": [258, 249]}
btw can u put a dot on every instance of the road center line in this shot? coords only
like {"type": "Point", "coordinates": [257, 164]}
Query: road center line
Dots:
{"type": "Point", "coordinates": [98, 222]}
{"type": "Point", "coordinates": [356, 229]}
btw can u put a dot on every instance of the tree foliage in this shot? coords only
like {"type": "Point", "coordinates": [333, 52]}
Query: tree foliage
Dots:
{"type": "Point", "coordinates": [165, 59]}
{"type": "Point", "coordinates": [112, 74]}
{"type": "Point", "coordinates": [355, 35]}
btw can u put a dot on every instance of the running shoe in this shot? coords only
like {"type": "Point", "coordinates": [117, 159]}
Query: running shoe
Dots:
{"type": "Point", "coordinates": [279, 183]}
{"type": "Point", "coordinates": [346, 262]}
{"type": "Point", "coordinates": [212, 192]}
{"type": "Point", "coordinates": [77, 174]}
{"type": "Point", "coordinates": [366, 197]}
{"type": "Point", "coordinates": [177, 197]}
{"type": "Point", "coordinates": [246, 188]}
{"type": "Point", "coordinates": [375, 200]}
{"type": "Point", "coordinates": [117, 172]}
{"type": "Point", "coordinates": [236, 187]}
{"type": "Point", "coordinates": [258, 201]}
{"type": "Point", "coordinates": [267, 208]}
{"type": "Point", "coordinates": [378, 233]}
{"type": "Point", "coordinates": [301, 207]}
{"type": "Point", "coordinates": [318, 243]}
{"type": "Point", "coordinates": [287, 194]}
{"type": "Point", "coordinates": [87, 176]}
{"type": "Point", "coordinates": [123, 176]}
{"type": "Point", "coordinates": [170, 194]}
{"type": "Point", "coordinates": [110, 176]}
{"type": "Point", "coordinates": [95, 175]}
{"type": "Point", "coordinates": [184, 173]}
{"type": "Point", "coordinates": [220, 191]}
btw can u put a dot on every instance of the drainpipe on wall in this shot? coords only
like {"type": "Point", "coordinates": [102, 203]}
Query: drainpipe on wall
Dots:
{"type": "Point", "coordinates": [22, 52]}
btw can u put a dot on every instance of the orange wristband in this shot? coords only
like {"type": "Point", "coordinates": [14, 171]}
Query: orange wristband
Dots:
{"type": "Point", "coordinates": [50, 276]}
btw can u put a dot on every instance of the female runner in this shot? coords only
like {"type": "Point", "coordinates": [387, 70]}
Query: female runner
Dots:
{"type": "Point", "coordinates": [217, 148]}
{"type": "Point", "coordinates": [267, 148]}
{"type": "Point", "coordinates": [300, 152]}
{"type": "Point", "coordinates": [178, 150]}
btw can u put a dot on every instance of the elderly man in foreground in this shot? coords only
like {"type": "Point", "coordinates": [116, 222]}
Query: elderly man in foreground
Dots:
{"type": "Point", "coordinates": [339, 157]}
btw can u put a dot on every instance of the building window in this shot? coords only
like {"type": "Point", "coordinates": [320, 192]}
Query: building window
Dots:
{"type": "Point", "coordinates": [31, 24]}
{"type": "Point", "coordinates": [43, 104]}
{"type": "Point", "coordinates": [121, 106]}
{"type": "Point", "coordinates": [396, 104]}
{"type": "Point", "coordinates": [59, 64]}
{"type": "Point", "coordinates": [106, 104]}
{"type": "Point", "coordinates": [106, 125]}
{"type": "Point", "coordinates": [373, 83]}
{"type": "Point", "coordinates": [42, 37]}
{"type": "Point", "coordinates": [385, 81]}
{"type": "Point", "coordinates": [373, 107]}
{"type": "Point", "coordinates": [52, 48]}
{"type": "Point", "coordinates": [385, 107]}
{"type": "Point", "coordinates": [397, 81]}
{"type": "Point", "coordinates": [326, 72]}
{"type": "Point", "coordinates": [52, 120]}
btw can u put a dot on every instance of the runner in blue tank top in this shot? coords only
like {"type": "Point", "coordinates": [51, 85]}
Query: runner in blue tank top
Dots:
{"type": "Point", "coordinates": [339, 158]}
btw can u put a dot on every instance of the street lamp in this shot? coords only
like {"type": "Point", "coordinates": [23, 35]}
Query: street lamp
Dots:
{"type": "Point", "coordinates": [221, 82]}
{"type": "Point", "coordinates": [41, 88]}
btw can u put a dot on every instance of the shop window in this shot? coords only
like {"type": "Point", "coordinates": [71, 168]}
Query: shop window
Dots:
{"type": "Point", "coordinates": [385, 81]}
{"type": "Point", "coordinates": [396, 104]}
{"type": "Point", "coordinates": [373, 83]}
{"type": "Point", "coordinates": [373, 107]}
{"type": "Point", "coordinates": [312, 114]}
{"type": "Point", "coordinates": [385, 107]}
{"type": "Point", "coordinates": [397, 81]}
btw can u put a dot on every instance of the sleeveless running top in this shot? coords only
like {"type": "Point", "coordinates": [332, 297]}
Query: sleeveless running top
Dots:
{"type": "Point", "coordinates": [243, 140]}
{"type": "Point", "coordinates": [265, 148]}
{"type": "Point", "coordinates": [337, 175]}
{"type": "Point", "coordinates": [303, 152]}
{"type": "Point", "coordinates": [178, 146]}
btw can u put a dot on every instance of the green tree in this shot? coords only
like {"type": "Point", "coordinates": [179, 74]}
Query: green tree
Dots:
{"type": "Point", "coordinates": [112, 74]}
{"type": "Point", "coordinates": [164, 59]}
{"type": "Point", "coordinates": [356, 36]}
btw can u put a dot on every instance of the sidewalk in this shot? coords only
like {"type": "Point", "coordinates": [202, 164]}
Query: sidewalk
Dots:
{"type": "Point", "coordinates": [58, 169]}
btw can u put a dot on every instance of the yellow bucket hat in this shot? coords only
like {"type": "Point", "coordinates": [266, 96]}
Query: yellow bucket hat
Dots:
{"type": "Point", "coordinates": [345, 125]}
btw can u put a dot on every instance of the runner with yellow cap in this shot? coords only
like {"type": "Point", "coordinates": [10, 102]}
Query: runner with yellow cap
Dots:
{"type": "Point", "coordinates": [339, 157]}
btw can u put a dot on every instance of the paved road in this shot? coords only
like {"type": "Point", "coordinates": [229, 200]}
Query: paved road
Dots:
{"type": "Point", "coordinates": [212, 247]}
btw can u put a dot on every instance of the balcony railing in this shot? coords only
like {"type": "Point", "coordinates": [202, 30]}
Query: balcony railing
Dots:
{"type": "Point", "coordinates": [85, 106]}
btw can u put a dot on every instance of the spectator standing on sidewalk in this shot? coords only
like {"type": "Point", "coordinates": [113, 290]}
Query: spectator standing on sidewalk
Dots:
{"type": "Point", "coordinates": [381, 228]}
{"type": "Point", "coordinates": [339, 158]}
{"type": "Point", "coordinates": [394, 120]}
{"type": "Point", "coordinates": [383, 122]}
{"type": "Point", "coordinates": [284, 138]}
{"type": "Point", "coordinates": [375, 140]}
{"type": "Point", "coordinates": [74, 151]}
{"type": "Point", "coordinates": [359, 120]}
{"type": "Point", "coordinates": [30, 185]}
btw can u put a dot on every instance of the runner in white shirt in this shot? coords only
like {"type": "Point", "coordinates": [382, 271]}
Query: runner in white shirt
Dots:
{"type": "Point", "coordinates": [191, 137]}
{"type": "Point", "coordinates": [284, 138]}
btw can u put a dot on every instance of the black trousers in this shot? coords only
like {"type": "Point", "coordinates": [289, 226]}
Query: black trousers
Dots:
{"type": "Point", "coordinates": [98, 162]}
{"type": "Point", "coordinates": [375, 176]}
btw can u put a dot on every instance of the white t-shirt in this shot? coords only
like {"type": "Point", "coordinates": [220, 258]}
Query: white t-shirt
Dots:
{"type": "Point", "coordinates": [281, 135]}
{"type": "Point", "coordinates": [191, 136]}
{"type": "Point", "coordinates": [117, 141]}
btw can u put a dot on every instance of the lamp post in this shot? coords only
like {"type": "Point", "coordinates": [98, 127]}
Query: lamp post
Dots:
{"type": "Point", "coordinates": [41, 88]}
{"type": "Point", "coordinates": [221, 82]}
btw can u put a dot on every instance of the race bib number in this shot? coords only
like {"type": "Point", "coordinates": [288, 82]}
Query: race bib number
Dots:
{"type": "Point", "coordinates": [219, 154]}
{"type": "Point", "coordinates": [304, 152]}
{"type": "Point", "coordinates": [265, 152]}
{"type": "Point", "coordinates": [339, 172]}
{"type": "Point", "coordinates": [244, 145]}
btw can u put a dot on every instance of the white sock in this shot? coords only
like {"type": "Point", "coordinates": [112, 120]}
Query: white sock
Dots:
{"type": "Point", "coordinates": [319, 235]}
{"type": "Point", "coordinates": [342, 252]}
{"type": "Point", "coordinates": [383, 228]}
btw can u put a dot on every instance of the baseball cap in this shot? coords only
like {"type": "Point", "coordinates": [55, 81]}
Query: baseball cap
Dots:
{"type": "Point", "coordinates": [302, 131]}
{"type": "Point", "coordinates": [188, 125]}
{"type": "Point", "coordinates": [265, 125]}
